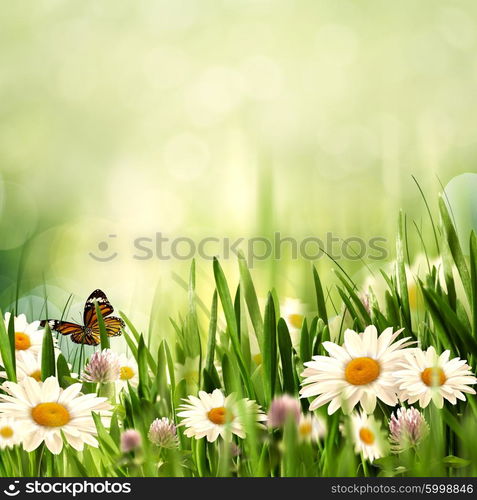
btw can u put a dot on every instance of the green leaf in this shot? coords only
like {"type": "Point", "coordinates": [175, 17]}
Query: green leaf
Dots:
{"type": "Point", "coordinates": [227, 374]}
{"type": "Point", "coordinates": [269, 352]}
{"type": "Point", "coordinates": [133, 347]}
{"type": "Point", "coordinates": [355, 299]}
{"type": "Point", "coordinates": [114, 429]}
{"type": "Point", "coordinates": [7, 350]}
{"type": "Point", "coordinates": [285, 347]}
{"type": "Point", "coordinates": [11, 337]}
{"type": "Point", "coordinates": [455, 248]}
{"type": "Point", "coordinates": [453, 332]}
{"type": "Point", "coordinates": [473, 276]}
{"type": "Point", "coordinates": [75, 462]}
{"type": "Point", "coordinates": [199, 448]}
{"type": "Point", "coordinates": [305, 351]}
{"type": "Point", "coordinates": [89, 463]}
{"type": "Point", "coordinates": [162, 385]}
{"type": "Point", "coordinates": [131, 327]}
{"type": "Point", "coordinates": [103, 334]}
{"type": "Point", "coordinates": [290, 449]}
{"type": "Point", "coordinates": [131, 344]}
{"type": "Point", "coordinates": [48, 363]}
{"type": "Point", "coordinates": [192, 342]}
{"type": "Point", "coordinates": [106, 441]}
{"type": "Point", "coordinates": [251, 298]}
{"type": "Point", "coordinates": [63, 371]}
{"type": "Point", "coordinates": [209, 361]}
{"type": "Point", "coordinates": [320, 298]}
{"type": "Point", "coordinates": [229, 312]}
{"type": "Point", "coordinates": [143, 387]}
{"type": "Point", "coordinates": [211, 380]}
{"type": "Point", "coordinates": [351, 310]}
{"type": "Point", "coordinates": [401, 273]}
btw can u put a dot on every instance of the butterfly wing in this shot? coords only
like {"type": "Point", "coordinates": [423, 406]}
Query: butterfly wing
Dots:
{"type": "Point", "coordinates": [113, 326]}
{"type": "Point", "coordinates": [78, 333]}
{"type": "Point", "coordinates": [89, 315]}
{"type": "Point", "coordinates": [85, 337]}
{"type": "Point", "coordinates": [89, 333]}
{"type": "Point", "coordinates": [63, 327]}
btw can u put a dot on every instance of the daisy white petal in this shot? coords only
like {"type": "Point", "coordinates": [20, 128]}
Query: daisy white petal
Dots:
{"type": "Point", "coordinates": [367, 436]}
{"type": "Point", "coordinates": [214, 415]}
{"type": "Point", "coordinates": [46, 410]}
{"type": "Point", "coordinates": [359, 371]}
{"type": "Point", "coordinates": [28, 336]}
{"type": "Point", "coordinates": [426, 376]}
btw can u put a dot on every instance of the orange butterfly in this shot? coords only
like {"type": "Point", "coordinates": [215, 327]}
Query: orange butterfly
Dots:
{"type": "Point", "coordinates": [89, 333]}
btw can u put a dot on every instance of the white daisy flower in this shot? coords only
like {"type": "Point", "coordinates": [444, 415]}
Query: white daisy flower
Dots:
{"type": "Point", "coordinates": [293, 312]}
{"type": "Point", "coordinates": [214, 415]}
{"type": "Point", "coordinates": [128, 373]}
{"type": "Point", "coordinates": [367, 436]}
{"type": "Point", "coordinates": [28, 336]}
{"type": "Point", "coordinates": [426, 376]}
{"type": "Point", "coordinates": [28, 365]}
{"type": "Point", "coordinates": [10, 433]}
{"type": "Point", "coordinates": [358, 372]}
{"type": "Point", "coordinates": [46, 412]}
{"type": "Point", "coordinates": [311, 427]}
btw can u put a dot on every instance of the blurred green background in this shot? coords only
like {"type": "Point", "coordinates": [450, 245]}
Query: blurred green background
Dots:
{"type": "Point", "coordinates": [234, 118]}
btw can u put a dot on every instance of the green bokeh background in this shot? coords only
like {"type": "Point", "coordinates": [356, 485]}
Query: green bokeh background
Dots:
{"type": "Point", "coordinates": [222, 118]}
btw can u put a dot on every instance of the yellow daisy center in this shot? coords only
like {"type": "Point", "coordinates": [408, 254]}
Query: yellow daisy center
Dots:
{"type": "Point", "coordinates": [50, 415]}
{"type": "Point", "coordinates": [305, 429]}
{"type": "Point", "coordinates": [22, 341]}
{"type": "Point", "coordinates": [258, 358]}
{"type": "Point", "coordinates": [366, 435]}
{"type": "Point", "coordinates": [36, 375]}
{"type": "Point", "coordinates": [220, 415]}
{"type": "Point", "coordinates": [362, 371]}
{"type": "Point", "coordinates": [433, 377]}
{"type": "Point", "coordinates": [6, 432]}
{"type": "Point", "coordinates": [295, 319]}
{"type": "Point", "coordinates": [126, 373]}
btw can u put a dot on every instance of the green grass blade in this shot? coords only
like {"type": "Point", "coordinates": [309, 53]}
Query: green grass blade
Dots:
{"type": "Point", "coordinates": [401, 273]}
{"type": "Point", "coordinates": [143, 388]}
{"type": "Point", "coordinates": [7, 350]}
{"type": "Point", "coordinates": [320, 298]}
{"type": "Point", "coordinates": [229, 312]}
{"type": "Point", "coordinates": [63, 371]}
{"type": "Point", "coordinates": [285, 348]}
{"type": "Point", "coordinates": [473, 278]}
{"type": "Point", "coordinates": [251, 298]}
{"type": "Point", "coordinates": [456, 249]}
{"type": "Point", "coordinates": [48, 362]}
{"type": "Point", "coordinates": [131, 327]}
{"type": "Point", "coordinates": [103, 334]}
{"type": "Point", "coordinates": [209, 360]}
{"type": "Point", "coordinates": [269, 352]}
